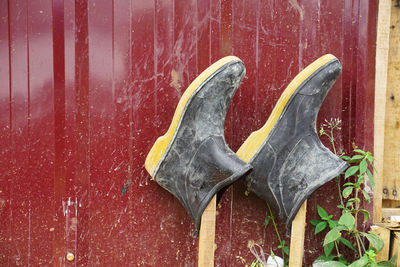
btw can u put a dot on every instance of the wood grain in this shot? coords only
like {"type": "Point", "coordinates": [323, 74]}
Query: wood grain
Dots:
{"type": "Point", "coordinates": [382, 50]}
{"type": "Point", "coordinates": [391, 168]}
{"type": "Point", "coordinates": [297, 238]}
{"type": "Point", "coordinates": [207, 235]}
{"type": "Point", "coordinates": [384, 234]}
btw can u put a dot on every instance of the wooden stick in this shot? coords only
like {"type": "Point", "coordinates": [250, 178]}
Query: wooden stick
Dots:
{"type": "Point", "coordinates": [381, 63]}
{"type": "Point", "coordinates": [207, 235]}
{"type": "Point", "coordinates": [297, 238]}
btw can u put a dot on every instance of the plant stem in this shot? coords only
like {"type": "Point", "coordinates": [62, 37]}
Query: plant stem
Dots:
{"type": "Point", "coordinates": [340, 192]}
{"type": "Point", "coordinates": [361, 242]}
{"type": "Point", "coordinates": [277, 232]}
{"type": "Point", "coordinates": [357, 235]}
{"type": "Point", "coordinates": [333, 141]}
{"type": "Point", "coordinates": [337, 249]}
{"type": "Point", "coordinates": [359, 247]}
{"type": "Point", "coordinates": [338, 178]}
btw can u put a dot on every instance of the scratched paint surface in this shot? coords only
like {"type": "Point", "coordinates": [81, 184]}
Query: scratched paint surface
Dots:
{"type": "Point", "coordinates": [87, 87]}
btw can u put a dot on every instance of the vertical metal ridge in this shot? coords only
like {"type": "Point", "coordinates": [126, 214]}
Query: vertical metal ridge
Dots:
{"type": "Point", "coordinates": [257, 106]}
{"type": "Point", "coordinates": [59, 248]}
{"type": "Point", "coordinates": [82, 166]}
{"type": "Point", "coordinates": [130, 96]}
{"type": "Point", "coordinates": [9, 68]}
{"type": "Point", "coordinates": [155, 57]}
{"type": "Point", "coordinates": [113, 49]}
{"type": "Point", "coordinates": [29, 123]}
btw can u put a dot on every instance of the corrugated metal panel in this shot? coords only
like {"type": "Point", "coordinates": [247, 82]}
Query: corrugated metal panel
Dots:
{"type": "Point", "coordinates": [87, 87]}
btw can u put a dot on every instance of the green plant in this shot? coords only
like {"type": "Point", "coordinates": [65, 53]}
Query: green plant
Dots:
{"type": "Point", "coordinates": [260, 256]}
{"type": "Point", "coordinates": [282, 243]}
{"type": "Point", "coordinates": [346, 230]}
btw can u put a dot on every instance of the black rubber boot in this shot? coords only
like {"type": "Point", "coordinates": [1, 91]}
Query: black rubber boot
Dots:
{"type": "Point", "coordinates": [192, 160]}
{"type": "Point", "coordinates": [289, 161]}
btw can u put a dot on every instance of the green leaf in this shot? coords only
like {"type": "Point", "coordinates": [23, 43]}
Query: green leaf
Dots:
{"type": "Point", "coordinates": [343, 260]}
{"type": "Point", "coordinates": [324, 258]}
{"type": "Point", "coordinates": [357, 157]}
{"type": "Point", "coordinates": [363, 166]}
{"type": "Point", "coordinates": [371, 178]}
{"type": "Point", "coordinates": [347, 191]}
{"type": "Point", "coordinates": [341, 228]}
{"type": "Point", "coordinates": [329, 264]}
{"type": "Point", "coordinates": [322, 213]}
{"type": "Point", "coordinates": [351, 171]}
{"type": "Point", "coordinates": [393, 259]}
{"type": "Point", "coordinates": [344, 157]}
{"type": "Point", "coordinates": [366, 196]}
{"type": "Point", "coordinates": [386, 264]}
{"type": "Point", "coordinates": [332, 224]}
{"type": "Point", "coordinates": [370, 158]}
{"type": "Point", "coordinates": [347, 243]}
{"type": "Point", "coordinates": [374, 240]}
{"type": "Point", "coordinates": [347, 220]}
{"type": "Point", "coordinates": [332, 236]}
{"type": "Point", "coordinates": [360, 151]}
{"type": "Point", "coordinates": [346, 184]}
{"type": "Point", "coordinates": [390, 263]}
{"type": "Point", "coordinates": [286, 250]}
{"type": "Point", "coordinates": [354, 199]}
{"type": "Point", "coordinates": [366, 215]}
{"type": "Point", "coordinates": [320, 227]}
{"type": "Point", "coordinates": [328, 248]}
{"type": "Point", "coordinates": [247, 192]}
{"type": "Point", "coordinates": [363, 261]}
{"type": "Point", "coordinates": [266, 222]}
{"type": "Point", "coordinates": [360, 180]}
{"type": "Point", "coordinates": [315, 222]}
{"type": "Point", "coordinates": [375, 170]}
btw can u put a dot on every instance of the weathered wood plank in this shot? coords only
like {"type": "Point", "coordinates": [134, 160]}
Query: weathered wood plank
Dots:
{"type": "Point", "coordinates": [387, 212]}
{"type": "Point", "coordinates": [384, 234]}
{"type": "Point", "coordinates": [297, 238]}
{"type": "Point", "coordinates": [207, 235]}
{"type": "Point", "coordinates": [391, 168]}
{"type": "Point", "coordinates": [382, 49]}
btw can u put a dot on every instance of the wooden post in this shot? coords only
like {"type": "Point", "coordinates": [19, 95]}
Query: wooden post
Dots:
{"type": "Point", "coordinates": [382, 50]}
{"type": "Point", "coordinates": [391, 172]}
{"type": "Point", "coordinates": [395, 247]}
{"type": "Point", "coordinates": [207, 235]}
{"type": "Point", "coordinates": [384, 234]}
{"type": "Point", "coordinates": [297, 238]}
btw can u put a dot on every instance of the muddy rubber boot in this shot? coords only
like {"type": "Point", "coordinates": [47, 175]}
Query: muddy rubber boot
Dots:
{"type": "Point", "coordinates": [289, 161]}
{"type": "Point", "coordinates": [192, 160]}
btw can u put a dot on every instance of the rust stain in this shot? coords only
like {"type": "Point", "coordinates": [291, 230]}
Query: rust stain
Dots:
{"type": "Point", "coordinates": [175, 80]}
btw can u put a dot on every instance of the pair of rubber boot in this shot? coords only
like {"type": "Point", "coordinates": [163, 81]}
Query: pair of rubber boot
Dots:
{"type": "Point", "coordinates": [284, 162]}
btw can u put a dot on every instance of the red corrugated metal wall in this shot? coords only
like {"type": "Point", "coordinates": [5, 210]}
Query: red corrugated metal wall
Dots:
{"type": "Point", "coordinates": [86, 87]}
